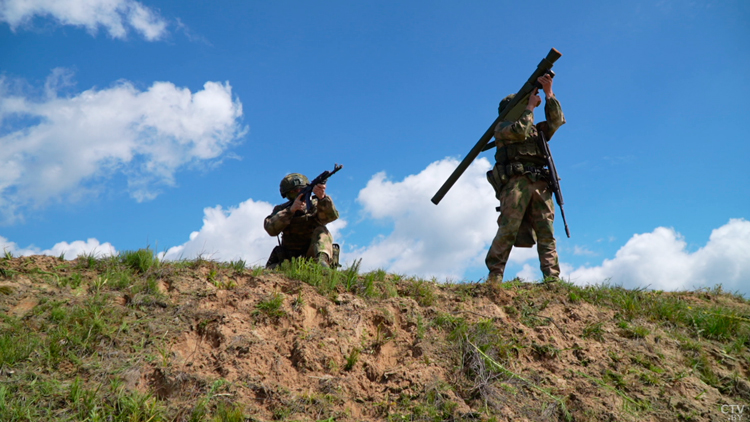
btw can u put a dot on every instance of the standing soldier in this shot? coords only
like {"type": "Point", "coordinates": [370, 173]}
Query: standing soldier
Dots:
{"type": "Point", "coordinates": [521, 181]}
{"type": "Point", "coordinates": [303, 231]}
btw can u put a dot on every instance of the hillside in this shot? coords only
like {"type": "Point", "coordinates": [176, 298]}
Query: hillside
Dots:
{"type": "Point", "coordinates": [129, 338]}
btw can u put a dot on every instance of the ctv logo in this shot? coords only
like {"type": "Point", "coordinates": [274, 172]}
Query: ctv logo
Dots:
{"type": "Point", "coordinates": [733, 411]}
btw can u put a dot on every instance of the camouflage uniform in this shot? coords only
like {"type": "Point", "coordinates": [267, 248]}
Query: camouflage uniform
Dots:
{"type": "Point", "coordinates": [303, 234]}
{"type": "Point", "coordinates": [527, 211]}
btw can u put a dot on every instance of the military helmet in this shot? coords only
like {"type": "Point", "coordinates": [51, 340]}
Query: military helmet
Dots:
{"type": "Point", "coordinates": [504, 103]}
{"type": "Point", "coordinates": [291, 182]}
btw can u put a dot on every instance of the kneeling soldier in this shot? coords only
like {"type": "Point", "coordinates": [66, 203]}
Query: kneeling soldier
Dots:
{"type": "Point", "coordinates": [303, 231]}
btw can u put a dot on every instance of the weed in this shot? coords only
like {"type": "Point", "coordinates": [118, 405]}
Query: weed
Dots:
{"type": "Point", "coordinates": [325, 280]}
{"type": "Point", "coordinates": [229, 413]}
{"type": "Point", "coordinates": [574, 297]}
{"type": "Point", "coordinates": [238, 266]}
{"type": "Point", "coordinates": [16, 343]}
{"type": "Point", "coordinates": [646, 363]}
{"type": "Point", "coordinates": [271, 307]}
{"type": "Point", "coordinates": [299, 302]}
{"type": "Point", "coordinates": [351, 275]}
{"type": "Point", "coordinates": [141, 260]}
{"type": "Point", "coordinates": [546, 351]}
{"type": "Point", "coordinates": [448, 321]}
{"type": "Point", "coordinates": [98, 284]}
{"type": "Point", "coordinates": [8, 273]}
{"type": "Point", "coordinates": [594, 331]}
{"type": "Point", "coordinates": [420, 290]}
{"type": "Point", "coordinates": [529, 312]}
{"type": "Point", "coordinates": [637, 332]}
{"type": "Point", "coordinates": [648, 379]}
{"type": "Point", "coordinates": [352, 359]}
{"type": "Point", "coordinates": [221, 282]}
{"type": "Point", "coordinates": [118, 279]}
{"type": "Point", "coordinates": [74, 281]}
{"type": "Point", "coordinates": [614, 378]}
{"type": "Point", "coordinates": [421, 328]}
{"type": "Point", "coordinates": [498, 367]}
{"type": "Point", "coordinates": [87, 260]}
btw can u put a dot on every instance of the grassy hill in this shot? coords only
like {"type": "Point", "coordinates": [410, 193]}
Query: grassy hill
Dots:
{"type": "Point", "coordinates": [129, 338]}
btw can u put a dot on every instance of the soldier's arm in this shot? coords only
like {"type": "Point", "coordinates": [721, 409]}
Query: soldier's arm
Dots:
{"type": "Point", "coordinates": [517, 131]}
{"type": "Point", "coordinates": [326, 210]}
{"type": "Point", "coordinates": [278, 220]}
{"type": "Point", "coordinates": [554, 115]}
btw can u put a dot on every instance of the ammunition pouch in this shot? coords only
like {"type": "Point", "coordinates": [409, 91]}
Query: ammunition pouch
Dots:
{"type": "Point", "coordinates": [497, 179]}
{"type": "Point", "coordinates": [335, 257]}
{"type": "Point", "coordinates": [516, 169]}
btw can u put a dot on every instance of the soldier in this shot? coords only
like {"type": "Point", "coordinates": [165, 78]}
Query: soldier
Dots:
{"type": "Point", "coordinates": [521, 182]}
{"type": "Point", "coordinates": [303, 231]}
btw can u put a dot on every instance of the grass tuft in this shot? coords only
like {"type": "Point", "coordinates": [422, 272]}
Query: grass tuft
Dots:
{"type": "Point", "coordinates": [141, 260]}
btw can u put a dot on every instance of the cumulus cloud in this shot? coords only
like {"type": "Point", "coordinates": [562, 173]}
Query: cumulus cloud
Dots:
{"type": "Point", "coordinates": [117, 17]}
{"type": "Point", "coordinates": [68, 250]}
{"type": "Point", "coordinates": [65, 146]}
{"type": "Point", "coordinates": [440, 241]}
{"type": "Point", "coordinates": [234, 234]}
{"type": "Point", "coordinates": [660, 260]}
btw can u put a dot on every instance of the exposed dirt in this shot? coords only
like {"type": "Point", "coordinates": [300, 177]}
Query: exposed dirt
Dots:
{"type": "Point", "coordinates": [347, 358]}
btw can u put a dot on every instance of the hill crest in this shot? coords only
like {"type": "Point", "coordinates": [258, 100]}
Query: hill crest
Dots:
{"type": "Point", "coordinates": [131, 338]}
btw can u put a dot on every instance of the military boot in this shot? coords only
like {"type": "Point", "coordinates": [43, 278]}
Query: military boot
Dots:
{"type": "Point", "coordinates": [323, 260]}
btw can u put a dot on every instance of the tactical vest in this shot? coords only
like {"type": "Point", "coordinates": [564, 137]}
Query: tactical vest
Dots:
{"type": "Point", "coordinates": [297, 235]}
{"type": "Point", "coordinates": [526, 152]}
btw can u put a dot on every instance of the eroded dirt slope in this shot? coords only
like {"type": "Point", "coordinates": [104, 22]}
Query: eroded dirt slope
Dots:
{"type": "Point", "coordinates": [206, 334]}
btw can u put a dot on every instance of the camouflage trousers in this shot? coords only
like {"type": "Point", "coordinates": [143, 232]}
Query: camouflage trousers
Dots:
{"type": "Point", "coordinates": [521, 197]}
{"type": "Point", "coordinates": [321, 241]}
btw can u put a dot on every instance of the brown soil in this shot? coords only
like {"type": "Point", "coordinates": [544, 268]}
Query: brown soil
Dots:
{"type": "Point", "coordinates": [343, 357]}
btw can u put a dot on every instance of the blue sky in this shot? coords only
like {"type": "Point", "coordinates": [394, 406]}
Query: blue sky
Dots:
{"type": "Point", "coordinates": [126, 124]}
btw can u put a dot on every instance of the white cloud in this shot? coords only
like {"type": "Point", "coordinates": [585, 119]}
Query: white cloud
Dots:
{"type": "Point", "coordinates": [442, 241]}
{"type": "Point", "coordinates": [117, 17]}
{"type": "Point", "coordinates": [427, 240]}
{"type": "Point", "coordinates": [69, 250]}
{"type": "Point", "coordinates": [659, 260]}
{"type": "Point", "coordinates": [234, 234]}
{"type": "Point", "coordinates": [581, 250]}
{"type": "Point", "coordinates": [71, 144]}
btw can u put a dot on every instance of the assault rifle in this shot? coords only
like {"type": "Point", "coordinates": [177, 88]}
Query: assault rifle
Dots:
{"type": "Point", "coordinates": [306, 192]}
{"type": "Point", "coordinates": [554, 179]}
{"type": "Point", "coordinates": [510, 113]}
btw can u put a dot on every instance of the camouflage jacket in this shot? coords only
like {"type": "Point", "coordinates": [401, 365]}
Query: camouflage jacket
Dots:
{"type": "Point", "coordinates": [517, 141]}
{"type": "Point", "coordinates": [296, 229]}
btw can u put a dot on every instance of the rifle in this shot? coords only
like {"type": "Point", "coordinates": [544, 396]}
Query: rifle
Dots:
{"type": "Point", "coordinates": [307, 191]}
{"type": "Point", "coordinates": [554, 179]}
{"type": "Point", "coordinates": [511, 112]}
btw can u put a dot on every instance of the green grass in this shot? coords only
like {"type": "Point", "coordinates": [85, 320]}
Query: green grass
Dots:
{"type": "Point", "coordinates": [325, 280]}
{"type": "Point", "coordinates": [711, 321]}
{"type": "Point", "coordinates": [271, 307]}
{"type": "Point", "coordinates": [16, 342]}
{"type": "Point", "coordinates": [141, 260]}
{"type": "Point", "coordinates": [594, 331]}
{"type": "Point", "coordinates": [352, 359]}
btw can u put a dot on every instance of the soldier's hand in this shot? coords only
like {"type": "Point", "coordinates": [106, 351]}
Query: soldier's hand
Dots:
{"type": "Point", "coordinates": [298, 204]}
{"type": "Point", "coordinates": [320, 190]}
{"type": "Point", "coordinates": [534, 100]}
{"type": "Point", "coordinates": [546, 82]}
